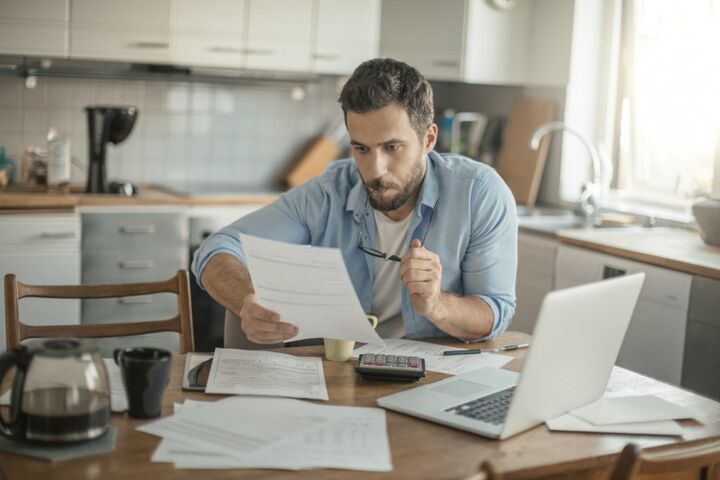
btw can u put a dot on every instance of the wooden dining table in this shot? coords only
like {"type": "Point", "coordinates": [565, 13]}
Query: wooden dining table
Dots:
{"type": "Point", "coordinates": [420, 449]}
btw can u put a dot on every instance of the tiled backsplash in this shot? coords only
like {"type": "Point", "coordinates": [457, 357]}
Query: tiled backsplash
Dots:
{"type": "Point", "coordinates": [185, 133]}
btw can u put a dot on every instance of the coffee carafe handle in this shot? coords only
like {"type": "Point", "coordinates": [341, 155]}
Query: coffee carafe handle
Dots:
{"type": "Point", "coordinates": [15, 357]}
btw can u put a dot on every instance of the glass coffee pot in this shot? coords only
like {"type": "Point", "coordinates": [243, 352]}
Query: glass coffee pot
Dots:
{"type": "Point", "coordinates": [60, 392]}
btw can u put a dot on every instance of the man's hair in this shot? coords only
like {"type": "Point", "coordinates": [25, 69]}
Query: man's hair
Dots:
{"type": "Point", "coordinates": [377, 83]}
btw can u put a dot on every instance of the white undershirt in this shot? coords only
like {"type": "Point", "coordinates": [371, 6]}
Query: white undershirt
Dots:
{"type": "Point", "coordinates": [392, 238]}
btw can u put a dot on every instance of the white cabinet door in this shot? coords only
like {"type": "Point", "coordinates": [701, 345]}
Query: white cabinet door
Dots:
{"type": "Point", "coordinates": [655, 341]}
{"type": "Point", "coordinates": [279, 35]}
{"type": "Point", "coordinates": [427, 34]}
{"type": "Point", "coordinates": [347, 33]}
{"type": "Point", "coordinates": [33, 27]}
{"type": "Point", "coordinates": [536, 266]}
{"type": "Point", "coordinates": [208, 33]}
{"type": "Point", "coordinates": [131, 30]}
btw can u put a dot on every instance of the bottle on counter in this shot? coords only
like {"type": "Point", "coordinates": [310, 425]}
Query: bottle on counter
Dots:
{"type": "Point", "coordinates": [58, 158]}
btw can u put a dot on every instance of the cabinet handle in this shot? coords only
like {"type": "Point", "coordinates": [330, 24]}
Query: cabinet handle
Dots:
{"type": "Point", "coordinates": [259, 51]}
{"type": "Point", "coordinates": [136, 264]}
{"type": "Point", "coordinates": [134, 229]}
{"type": "Point", "coordinates": [326, 56]}
{"type": "Point", "coordinates": [150, 45]}
{"type": "Point", "coordinates": [446, 63]}
{"type": "Point", "coordinates": [136, 300]}
{"type": "Point", "coordinates": [57, 235]}
{"type": "Point", "coordinates": [235, 50]}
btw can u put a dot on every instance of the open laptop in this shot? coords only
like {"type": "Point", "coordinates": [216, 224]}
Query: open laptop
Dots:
{"type": "Point", "coordinates": [574, 346]}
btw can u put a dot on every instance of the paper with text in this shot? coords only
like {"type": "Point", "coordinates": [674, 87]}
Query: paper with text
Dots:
{"type": "Point", "coordinates": [308, 287]}
{"type": "Point", "coordinates": [434, 359]}
{"type": "Point", "coordinates": [256, 372]}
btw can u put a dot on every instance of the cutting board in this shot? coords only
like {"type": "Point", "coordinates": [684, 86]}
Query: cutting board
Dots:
{"type": "Point", "coordinates": [518, 165]}
{"type": "Point", "coordinates": [312, 161]}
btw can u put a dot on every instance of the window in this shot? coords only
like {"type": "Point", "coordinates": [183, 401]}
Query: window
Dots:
{"type": "Point", "coordinates": [669, 99]}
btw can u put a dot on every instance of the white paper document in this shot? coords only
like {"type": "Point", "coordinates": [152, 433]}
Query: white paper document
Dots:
{"type": "Point", "coordinates": [336, 437]}
{"type": "Point", "coordinates": [309, 287]}
{"type": "Point", "coordinates": [642, 408]}
{"type": "Point", "coordinates": [571, 423]}
{"type": "Point", "coordinates": [434, 359]}
{"type": "Point", "coordinates": [256, 372]}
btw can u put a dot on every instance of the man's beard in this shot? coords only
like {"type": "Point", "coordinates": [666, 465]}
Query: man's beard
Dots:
{"type": "Point", "coordinates": [412, 184]}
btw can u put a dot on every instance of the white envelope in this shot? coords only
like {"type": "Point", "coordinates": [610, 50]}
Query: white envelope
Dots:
{"type": "Point", "coordinates": [632, 409]}
{"type": "Point", "coordinates": [571, 423]}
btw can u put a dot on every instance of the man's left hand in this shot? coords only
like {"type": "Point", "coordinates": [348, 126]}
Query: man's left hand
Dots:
{"type": "Point", "coordinates": [421, 272]}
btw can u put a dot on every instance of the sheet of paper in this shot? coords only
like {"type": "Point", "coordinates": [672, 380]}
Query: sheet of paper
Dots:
{"type": "Point", "coordinates": [256, 372]}
{"type": "Point", "coordinates": [630, 409]}
{"type": "Point", "coordinates": [309, 287]}
{"type": "Point", "coordinates": [434, 359]}
{"type": "Point", "coordinates": [571, 423]}
{"type": "Point", "coordinates": [354, 438]}
{"type": "Point", "coordinates": [118, 398]}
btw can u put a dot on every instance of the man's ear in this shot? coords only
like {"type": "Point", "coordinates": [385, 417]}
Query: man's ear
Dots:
{"type": "Point", "coordinates": [431, 138]}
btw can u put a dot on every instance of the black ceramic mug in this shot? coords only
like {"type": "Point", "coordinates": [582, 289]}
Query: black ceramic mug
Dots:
{"type": "Point", "coordinates": [145, 374]}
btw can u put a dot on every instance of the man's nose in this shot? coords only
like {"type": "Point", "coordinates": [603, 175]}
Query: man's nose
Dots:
{"type": "Point", "coordinates": [377, 166]}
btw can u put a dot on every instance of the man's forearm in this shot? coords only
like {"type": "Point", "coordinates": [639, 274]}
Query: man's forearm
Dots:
{"type": "Point", "coordinates": [227, 280]}
{"type": "Point", "coordinates": [465, 317]}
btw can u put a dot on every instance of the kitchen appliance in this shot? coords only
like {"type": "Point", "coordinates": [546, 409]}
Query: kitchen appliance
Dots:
{"type": "Point", "coordinates": [105, 124]}
{"type": "Point", "coordinates": [60, 393]}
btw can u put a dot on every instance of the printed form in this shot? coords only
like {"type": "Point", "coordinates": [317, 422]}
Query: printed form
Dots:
{"type": "Point", "coordinates": [255, 372]}
{"type": "Point", "coordinates": [309, 287]}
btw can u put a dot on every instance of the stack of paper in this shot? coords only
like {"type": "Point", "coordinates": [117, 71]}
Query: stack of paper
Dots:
{"type": "Point", "coordinates": [433, 355]}
{"type": "Point", "coordinates": [641, 414]}
{"type": "Point", "coordinates": [257, 432]}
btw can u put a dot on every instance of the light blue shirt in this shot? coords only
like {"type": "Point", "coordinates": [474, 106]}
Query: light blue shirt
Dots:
{"type": "Point", "coordinates": [473, 231]}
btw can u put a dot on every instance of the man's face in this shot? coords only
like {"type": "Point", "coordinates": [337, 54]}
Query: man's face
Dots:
{"type": "Point", "coordinates": [389, 155]}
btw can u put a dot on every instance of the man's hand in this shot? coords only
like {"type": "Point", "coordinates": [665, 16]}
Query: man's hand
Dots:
{"type": "Point", "coordinates": [262, 325]}
{"type": "Point", "coordinates": [421, 272]}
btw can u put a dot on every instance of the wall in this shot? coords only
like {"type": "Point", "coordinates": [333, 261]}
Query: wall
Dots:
{"type": "Point", "coordinates": [186, 133]}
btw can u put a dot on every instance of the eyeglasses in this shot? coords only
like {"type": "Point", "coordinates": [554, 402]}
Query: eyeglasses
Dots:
{"type": "Point", "coordinates": [377, 253]}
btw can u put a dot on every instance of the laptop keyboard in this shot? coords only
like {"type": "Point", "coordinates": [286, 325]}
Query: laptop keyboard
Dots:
{"type": "Point", "coordinates": [491, 409]}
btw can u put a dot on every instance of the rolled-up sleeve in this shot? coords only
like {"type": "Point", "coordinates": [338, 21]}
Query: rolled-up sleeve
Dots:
{"type": "Point", "coordinates": [490, 263]}
{"type": "Point", "coordinates": [286, 219]}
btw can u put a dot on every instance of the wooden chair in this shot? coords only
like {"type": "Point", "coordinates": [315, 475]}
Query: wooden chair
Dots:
{"type": "Point", "coordinates": [181, 323]}
{"type": "Point", "coordinates": [700, 458]}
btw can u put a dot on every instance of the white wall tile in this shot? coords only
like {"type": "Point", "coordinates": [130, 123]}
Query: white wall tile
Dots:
{"type": "Point", "coordinates": [37, 96]}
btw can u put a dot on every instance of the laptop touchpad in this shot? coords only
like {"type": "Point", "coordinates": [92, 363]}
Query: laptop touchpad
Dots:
{"type": "Point", "coordinates": [462, 388]}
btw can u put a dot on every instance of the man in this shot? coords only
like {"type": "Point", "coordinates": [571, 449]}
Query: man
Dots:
{"type": "Point", "coordinates": [429, 240]}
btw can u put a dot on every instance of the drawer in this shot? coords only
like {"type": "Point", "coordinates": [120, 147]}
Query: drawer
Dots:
{"type": "Point", "coordinates": [134, 230]}
{"type": "Point", "coordinates": [705, 301]}
{"type": "Point", "coordinates": [536, 254]}
{"type": "Point", "coordinates": [109, 42]}
{"type": "Point", "coordinates": [38, 231]}
{"type": "Point", "coordinates": [129, 309]}
{"type": "Point", "coordinates": [131, 265]}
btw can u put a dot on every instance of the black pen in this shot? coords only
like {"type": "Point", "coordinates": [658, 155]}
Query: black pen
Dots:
{"type": "Point", "coordinates": [504, 348]}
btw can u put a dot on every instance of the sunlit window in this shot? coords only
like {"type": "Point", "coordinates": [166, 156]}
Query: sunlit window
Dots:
{"type": "Point", "coordinates": [669, 98]}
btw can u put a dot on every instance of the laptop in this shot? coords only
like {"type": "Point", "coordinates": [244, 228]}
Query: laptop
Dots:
{"type": "Point", "coordinates": [574, 346]}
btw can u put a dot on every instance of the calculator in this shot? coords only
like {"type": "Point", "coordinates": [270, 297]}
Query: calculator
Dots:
{"type": "Point", "coordinates": [390, 367]}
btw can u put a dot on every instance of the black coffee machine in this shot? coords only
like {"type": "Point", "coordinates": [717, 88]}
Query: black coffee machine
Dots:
{"type": "Point", "coordinates": [105, 124]}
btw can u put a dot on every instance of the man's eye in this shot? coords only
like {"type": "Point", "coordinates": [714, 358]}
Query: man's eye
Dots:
{"type": "Point", "coordinates": [360, 149]}
{"type": "Point", "coordinates": [393, 147]}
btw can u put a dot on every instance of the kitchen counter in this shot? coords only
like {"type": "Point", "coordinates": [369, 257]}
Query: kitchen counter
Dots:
{"type": "Point", "coordinates": [33, 198]}
{"type": "Point", "coordinates": [673, 248]}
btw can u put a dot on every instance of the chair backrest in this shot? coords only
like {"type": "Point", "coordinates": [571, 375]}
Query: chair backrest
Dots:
{"type": "Point", "coordinates": [699, 457]}
{"type": "Point", "coordinates": [177, 284]}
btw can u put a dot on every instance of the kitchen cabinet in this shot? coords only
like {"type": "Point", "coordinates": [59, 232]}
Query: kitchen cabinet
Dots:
{"type": "Point", "coordinates": [34, 27]}
{"type": "Point", "coordinates": [131, 30]}
{"type": "Point", "coordinates": [535, 273]}
{"type": "Point", "coordinates": [702, 341]}
{"type": "Point", "coordinates": [338, 47]}
{"type": "Point", "coordinates": [208, 33]}
{"type": "Point", "coordinates": [654, 344]}
{"type": "Point", "coordinates": [123, 245]}
{"type": "Point", "coordinates": [278, 35]}
{"type": "Point", "coordinates": [472, 41]}
{"type": "Point", "coordinates": [42, 249]}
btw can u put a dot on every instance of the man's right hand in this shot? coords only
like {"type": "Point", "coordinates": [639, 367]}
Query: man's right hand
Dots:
{"type": "Point", "coordinates": [262, 325]}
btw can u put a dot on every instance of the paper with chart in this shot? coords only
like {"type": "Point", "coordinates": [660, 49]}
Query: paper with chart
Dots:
{"type": "Point", "coordinates": [342, 437]}
{"type": "Point", "coordinates": [256, 372]}
{"type": "Point", "coordinates": [309, 287]}
{"type": "Point", "coordinates": [434, 359]}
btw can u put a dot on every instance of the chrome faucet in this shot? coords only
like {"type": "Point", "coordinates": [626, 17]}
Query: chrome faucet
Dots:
{"type": "Point", "coordinates": [590, 191]}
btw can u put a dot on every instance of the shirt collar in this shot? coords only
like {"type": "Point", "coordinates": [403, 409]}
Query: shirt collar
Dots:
{"type": "Point", "coordinates": [429, 192]}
